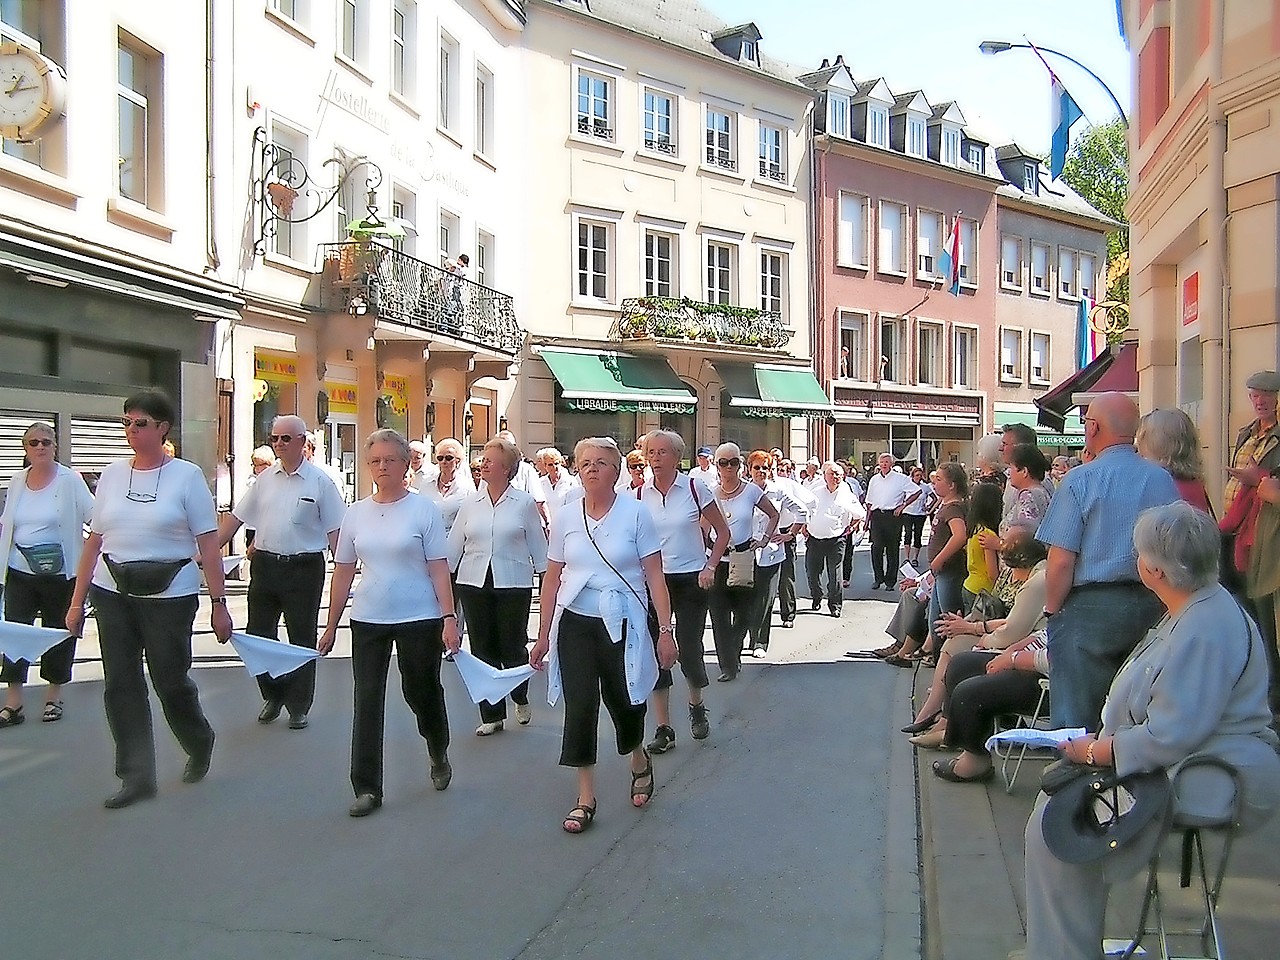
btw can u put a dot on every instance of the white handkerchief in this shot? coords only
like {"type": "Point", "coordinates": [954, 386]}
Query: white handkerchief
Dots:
{"type": "Point", "coordinates": [231, 562]}
{"type": "Point", "coordinates": [484, 682]}
{"type": "Point", "coordinates": [1035, 738]}
{"type": "Point", "coordinates": [274, 657]}
{"type": "Point", "coordinates": [21, 642]}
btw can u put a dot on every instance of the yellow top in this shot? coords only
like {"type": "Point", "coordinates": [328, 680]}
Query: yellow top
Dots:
{"type": "Point", "coordinates": [978, 579]}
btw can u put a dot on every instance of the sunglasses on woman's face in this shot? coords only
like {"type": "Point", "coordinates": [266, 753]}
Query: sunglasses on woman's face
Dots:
{"type": "Point", "coordinates": [141, 423]}
{"type": "Point", "coordinates": [760, 466]}
{"type": "Point", "coordinates": [446, 458]}
{"type": "Point", "coordinates": [39, 442]}
{"type": "Point", "coordinates": [636, 466]}
{"type": "Point", "coordinates": [732, 462]}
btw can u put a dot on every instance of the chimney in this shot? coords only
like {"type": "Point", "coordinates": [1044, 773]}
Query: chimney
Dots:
{"type": "Point", "coordinates": [825, 64]}
{"type": "Point", "coordinates": [839, 60]}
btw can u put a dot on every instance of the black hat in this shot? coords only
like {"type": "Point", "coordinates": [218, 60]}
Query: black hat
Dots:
{"type": "Point", "coordinates": [1097, 814]}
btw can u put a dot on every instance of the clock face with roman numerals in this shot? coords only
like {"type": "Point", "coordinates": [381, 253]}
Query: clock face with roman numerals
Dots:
{"type": "Point", "coordinates": [30, 91]}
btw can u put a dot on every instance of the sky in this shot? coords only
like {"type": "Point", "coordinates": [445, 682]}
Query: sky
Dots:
{"type": "Point", "coordinates": [932, 45]}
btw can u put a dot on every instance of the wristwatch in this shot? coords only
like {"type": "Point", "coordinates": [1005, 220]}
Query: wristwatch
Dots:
{"type": "Point", "coordinates": [221, 600]}
{"type": "Point", "coordinates": [665, 628]}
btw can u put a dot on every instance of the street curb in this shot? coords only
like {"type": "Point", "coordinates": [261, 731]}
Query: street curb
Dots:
{"type": "Point", "coordinates": [903, 916]}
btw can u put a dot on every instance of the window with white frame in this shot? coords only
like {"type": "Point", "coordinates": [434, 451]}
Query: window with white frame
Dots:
{"type": "Point", "coordinates": [353, 30]}
{"type": "Point", "coordinates": [837, 115]}
{"type": "Point", "coordinates": [1011, 263]}
{"type": "Point", "coordinates": [969, 252]}
{"type": "Point", "coordinates": [1030, 178]}
{"type": "Point", "coordinates": [1011, 354]}
{"type": "Point", "coordinates": [773, 160]}
{"type": "Point", "coordinates": [916, 138]}
{"type": "Point", "coordinates": [977, 157]}
{"type": "Point", "coordinates": [1068, 263]}
{"type": "Point", "coordinates": [595, 253]}
{"type": "Point", "coordinates": [748, 51]}
{"type": "Point", "coordinates": [892, 245]}
{"type": "Point", "coordinates": [485, 247]}
{"type": "Point", "coordinates": [951, 146]}
{"type": "Point", "coordinates": [851, 236]}
{"type": "Point", "coordinates": [773, 283]}
{"type": "Point", "coordinates": [720, 139]}
{"type": "Point", "coordinates": [404, 213]}
{"type": "Point", "coordinates": [660, 259]}
{"type": "Point", "coordinates": [1040, 268]}
{"type": "Point", "coordinates": [930, 354]}
{"type": "Point", "coordinates": [595, 105]}
{"type": "Point", "coordinates": [290, 148]}
{"type": "Point", "coordinates": [660, 122]}
{"type": "Point", "coordinates": [449, 86]}
{"type": "Point", "coordinates": [853, 345]}
{"type": "Point", "coordinates": [484, 132]}
{"type": "Point", "coordinates": [894, 349]}
{"type": "Point", "coordinates": [1088, 267]}
{"type": "Point", "coordinates": [404, 47]}
{"type": "Point", "coordinates": [929, 233]}
{"type": "Point", "coordinates": [1038, 358]}
{"type": "Point", "coordinates": [720, 272]}
{"type": "Point", "coordinates": [295, 10]}
{"type": "Point", "coordinates": [877, 125]}
{"type": "Point", "coordinates": [964, 358]}
{"type": "Point", "coordinates": [140, 165]}
{"type": "Point", "coordinates": [450, 236]}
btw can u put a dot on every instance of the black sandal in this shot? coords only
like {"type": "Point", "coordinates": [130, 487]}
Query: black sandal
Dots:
{"type": "Point", "coordinates": [642, 795]}
{"type": "Point", "coordinates": [52, 712]}
{"type": "Point", "coordinates": [11, 716]}
{"type": "Point", "coordinates": [920, 726]}
{"type": "Point", "coordinates": [897, 660]}
{"type": "Point", "coordinates": [581, 817]}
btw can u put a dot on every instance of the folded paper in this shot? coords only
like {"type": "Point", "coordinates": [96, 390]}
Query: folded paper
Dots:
{"type": "Point", "coordinates": [21, 642]}
{"type": "Point", "coordinates": [484, 682]}
{"type": "Point", "coordinates": [273, 657]}
{"type": "Point", "coordinates": [1034, 738]}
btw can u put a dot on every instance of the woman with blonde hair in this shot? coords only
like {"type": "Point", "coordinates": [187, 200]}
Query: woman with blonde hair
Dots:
{"type": "Point", "coordinates": [451, 486]}
{"type": "Point", "coordinates": [1169, 438]}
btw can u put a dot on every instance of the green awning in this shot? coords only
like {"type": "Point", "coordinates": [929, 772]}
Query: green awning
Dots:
{"type": "Point", "coordinates": [1073, 435]}
{"type": "Point", "coordinates": [760, 390]}
{"type": "Point", "coordinates": [607, 382]}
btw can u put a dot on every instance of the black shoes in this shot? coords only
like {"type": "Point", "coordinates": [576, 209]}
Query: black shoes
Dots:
{"type": "Point", "coordinates": [727, 677]}
{"type": "Point", "coordinates": [270, 711]}
{"type": "Point", "coordinates": [664, 738]}
{"type": "Point", "coordinates": [365, 804]}
{"type": "Point", "coordinates": [298, 722]}
{"type": "Point", "coordinates": [441, 774]}
{"type": "Point", "coordinates": [815, 604]}
{"type": "Point", "coordinates": [835, 612]}
{"type": "Point", "coordinates": [197, 767]}
{"type": "Point", "coordinates": [699, 725]}
{"type": "Point", "coordinates": [127, 796]}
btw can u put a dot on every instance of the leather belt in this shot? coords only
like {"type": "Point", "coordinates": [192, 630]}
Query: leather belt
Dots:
{"type": "Point", "coordinates": [288, 557]}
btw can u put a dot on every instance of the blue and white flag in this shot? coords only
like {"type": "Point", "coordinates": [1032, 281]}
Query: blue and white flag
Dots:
{"type": "Point", "coordinates": [949, 260]}
{"type": "Point", "coordinates": [1065, 112]}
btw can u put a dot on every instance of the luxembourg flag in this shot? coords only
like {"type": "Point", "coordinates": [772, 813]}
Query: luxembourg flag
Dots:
{"type": "Point", "coordinates": [1065, 112]}
{"type": "Point", "coordinates": [949, 260]}
{"type": "Point", "coordinates": [1090, 340]}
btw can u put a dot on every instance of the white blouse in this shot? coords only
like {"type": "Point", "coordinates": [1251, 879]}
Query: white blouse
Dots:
{"type": "Point", "coordinates": [506, 537]}
{"type": "Point", "coordinates": [678, 518]}
{"type": "Point", "coordinates": [739, 511]}
{"type": "Point", "coordinates": [450, 501]}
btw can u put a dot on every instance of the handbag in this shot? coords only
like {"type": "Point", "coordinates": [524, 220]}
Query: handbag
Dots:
{"type": "Point", "coordinates": [43, 557]}
{"type": "Point", "coordinates": [144, 578]}
{"type": "Point", "coordinates": [988, 607]}
{"type": "Point", "coordinates": [742, 566]}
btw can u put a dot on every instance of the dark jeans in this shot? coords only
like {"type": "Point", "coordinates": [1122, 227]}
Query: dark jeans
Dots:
{"type": "Point", "coordinates": [290, 588]}
{"type": "Point", "coordinates": [128, 628]}
{"type": "Point", "coordinates": [1089, 638]}
{"type": "Point", "coordinates": [847, 564]}
{"type": "Point", "coordinates": [766, 589]}
{"type": "Point", "coordinates": [592, 670]}
{"type": "Point", "coordinates": [886, 533]}
{"type": "Point", "coordinates": [974, 698]}
{"type": "Point", "coordinates": [46, 595]}
{"type": "Point", "coordinates": [787, 583]}
{"type": "Point", "coordinates": [824, 554]}
{"type": "Point", "coordinates": [912, 529]}
{"type": "Point", "coordinates": [730, 619]}
{"type": "Point", "coordinates": [498, 626]}
{"type": "Point", "coordinates": [689, 606]}
{"type": "Point", "coordinates": [419, 650]}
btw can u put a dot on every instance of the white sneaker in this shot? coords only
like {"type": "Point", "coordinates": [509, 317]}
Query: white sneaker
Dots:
{"type": "Point", "coordinates": [523, 714]}
{"type": "Point", "coordinates": [489, 729]}
{"type": "Point", "coordinates": [759, 653]}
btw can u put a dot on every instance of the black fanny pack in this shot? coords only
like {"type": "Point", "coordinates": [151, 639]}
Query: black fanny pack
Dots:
{"type": "Point", "coordinates": [43, 557]}
{"type": "Point", "coordinates": [144, 578]}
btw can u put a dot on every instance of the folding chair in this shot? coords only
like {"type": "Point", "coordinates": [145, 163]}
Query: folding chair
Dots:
{"type": "Point", "coordinates": [1014, 754]}
{"type": "Point", "coordinates": [1195, 865]}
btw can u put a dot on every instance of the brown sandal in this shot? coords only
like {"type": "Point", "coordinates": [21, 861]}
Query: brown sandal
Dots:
{"type": "Point", "coordinates": [579, 818]}
{"type": "Point", "coordinates": [888, 651]}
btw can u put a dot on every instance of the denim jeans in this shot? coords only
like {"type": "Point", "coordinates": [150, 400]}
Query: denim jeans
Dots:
{"type": "Point", "coordinates": [1089, 639]}
{"type": "Point", "coordinates": [946, 597]}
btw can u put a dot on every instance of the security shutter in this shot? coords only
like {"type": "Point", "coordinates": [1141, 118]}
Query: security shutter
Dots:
{"type": "Point", "coordinates": [96, 442]}
{"type": "Point", "coordinates": [13, 424]}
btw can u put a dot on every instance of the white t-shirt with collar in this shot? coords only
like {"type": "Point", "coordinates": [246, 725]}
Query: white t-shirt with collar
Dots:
{"type": "Point", "coordinates": [291, 512]}
{"type": "Point", "coordinates": [739, 511]}
{"type": "Point", "coordinates": [678, 517]}
{"type": "Point", "coordinates": [888, 491]}
{"type": "Point", "coordinates": [394, 542]}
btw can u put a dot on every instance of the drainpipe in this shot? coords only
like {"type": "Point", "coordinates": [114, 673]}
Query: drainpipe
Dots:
{"type": "Point", "coordinates": [1217, 354]}
{"type": "Point", "coordinates": [211, 251]}
{"type": "Point", "coordinates": [818, 287]}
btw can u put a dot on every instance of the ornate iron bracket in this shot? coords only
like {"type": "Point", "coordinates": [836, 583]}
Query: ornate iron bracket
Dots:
{"type": "Point", "coordinates": [284, 190]}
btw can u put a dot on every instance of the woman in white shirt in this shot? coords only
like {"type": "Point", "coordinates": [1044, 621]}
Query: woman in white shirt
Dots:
{"type": "Point", "coordinates": [496, 546]}
{"type": "Point", "coordinates": [731, 606]}
{"type": "Point", "coordinates": [151, 514]}
{"type": "Point", "coordinates": [913, 515]}
{"type": "Point", "coordinates": [41, 538]}
{"type": "Point", "coordinates": [770, 555]}
{"type": "Point", "coordinates": [452, 487]}
{"type": "Point", "coordinates": [404, 600]}
{"type": "Point", "coordinates": [604, 567]}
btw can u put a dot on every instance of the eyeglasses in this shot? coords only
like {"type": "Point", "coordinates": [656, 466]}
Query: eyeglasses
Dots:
{"type": "Point", "coordinates": [760, 466]}
{"type": "Point", "coordinates": [635, 466]}
{"type": "Point", "coordinates": [732, 462]}
{"type": "Point", "coordinates": [387, 461]}
{"type": "Point", "coordinates": [141, 496]}
{"type": "Point", "coordinates": [284, 437]}
{"type": "Point", "coordinates": [39, 442]}
{"type": "Point", "coordinates": [446, 458]}
{"type": "Point", "coordinates": [141, 423]}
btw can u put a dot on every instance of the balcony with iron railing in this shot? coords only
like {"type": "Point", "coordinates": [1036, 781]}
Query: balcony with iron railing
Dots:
{"type": "Point", "coordinates": [361, 277]}
{"type": "Point", "coordinates": [694, 321]}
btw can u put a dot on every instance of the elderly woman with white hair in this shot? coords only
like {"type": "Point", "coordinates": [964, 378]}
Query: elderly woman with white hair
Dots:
{"type": "Point", "coordinates": [496, 546]}
{"type": "Point", "coordinates": [452, 485]}
{"type": "Point", "coordinates": [989, 460]}
{"type": "Point", "coordinates": [558, 483]}
{"type": "Point", "coordinates": [1195, 686]}
{"type": "Point", "coordinates": [731, 606]}
{"type": "Point", "coordinates": [604, 569]}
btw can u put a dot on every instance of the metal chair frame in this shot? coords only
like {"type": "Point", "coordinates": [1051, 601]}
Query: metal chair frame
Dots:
{"type": "Point", "coordinates": [1017, 753]}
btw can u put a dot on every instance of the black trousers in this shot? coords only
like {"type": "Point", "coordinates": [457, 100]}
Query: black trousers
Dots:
{"type": "Point", "coordinates": [787, 583]}
{"type": "Point", "coordinates": [593, 670]}
{"type": "Point", "coordinates": [730, 619]}
{"type": "Point", "coordinates": [846, 563]}
{"type": "Point", "coordinates": [765, 590]}
{"type": "Point", "coordinates": [419, 650]}
{"type": "Point", "coordinates": [886, 533]}
{"type": "Point", "coordinates": [974, 698]}
{"type": "Point", "coordinates": [912, 529]}
{"type": "Point", "coordinates": [291, 588]}
{"type": "Point", "coordinates": [160, 629]}
{"type": "Point", "coordinates": [498, 626]}
{"type": "Point", "coordinates": [47, 596]}
{"type": "Point", "coordinates": [825, 553]}
{"type": "Point", "coordinates": [689, 606]}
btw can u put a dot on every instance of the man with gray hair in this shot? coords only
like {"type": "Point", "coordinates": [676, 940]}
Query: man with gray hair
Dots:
{"type": "Point", "coordinates": [421, 470]}
{"type": "Point", "coordinates": [829, 518]}
{"type": "Point", "coordinates": [295, 511]}
{"type": "Point", "coordinates": [888, 493]}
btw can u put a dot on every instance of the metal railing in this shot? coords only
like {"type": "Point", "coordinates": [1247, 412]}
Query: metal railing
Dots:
{"type": "Point", "coordinates": [361, 277]}
{"type": "Point", "coordinates": [668, 318]}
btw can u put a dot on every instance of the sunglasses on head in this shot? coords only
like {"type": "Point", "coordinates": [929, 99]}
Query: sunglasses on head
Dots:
{"type": "Point", "coordinates": [39, 442]}
{"type": "Point", "coordinates": [141, 423]}
{"type": "Point", "coordinates": [445, 458]}
{"type": "Point", "coordinates": [731, 462]}
{"type": "Point", "coordinates": [284, 437]}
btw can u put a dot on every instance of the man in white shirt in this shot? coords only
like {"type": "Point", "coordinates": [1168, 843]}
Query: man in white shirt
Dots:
{"type": "Point", "coordinates": [526, 479]}
{"type": "Point", "coordinates": [295, 511]}
{"type": "Point", "coordinates": [421, 470]}
{"type": "Point", "coordinates": [558, 484]}
{"type": "Point", "coordinates": [704, 471]}
{"type": "Point", "coordinates": [833, 512]}
{"type": "Point", "coordinates": [811, 476]}
{"type": "Point", "coordinates": [789, 523]}
{"type": "Point", "coordinates": [888, 493]}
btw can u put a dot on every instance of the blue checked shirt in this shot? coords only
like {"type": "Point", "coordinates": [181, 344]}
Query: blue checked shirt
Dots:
{"type": "Point", "coordinates": [1095, 508]}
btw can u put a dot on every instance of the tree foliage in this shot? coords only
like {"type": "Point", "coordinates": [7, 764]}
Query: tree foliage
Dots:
{"type": "Point", "coordinates": [1098, 169]}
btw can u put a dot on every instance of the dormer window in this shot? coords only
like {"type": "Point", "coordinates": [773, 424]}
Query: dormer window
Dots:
{"type": "Point", "coordinates": [749, 51]}
{"type": "Point", "coordinates": [837, 115]}
{"type": "Point", "coordinates": [1030, 179]}
{"type": "Point", "coordinates": [877, 125]}
{"type": "Point", "coordinates": [915, 137]}
{"type": "Point", "coordinates": [976, 157]}
{"type": "Point", "coordinates": [950, 147]}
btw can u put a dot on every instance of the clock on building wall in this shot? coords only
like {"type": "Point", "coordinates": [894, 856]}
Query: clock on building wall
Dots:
{"type": "Point", "coordinates": [32, 92]}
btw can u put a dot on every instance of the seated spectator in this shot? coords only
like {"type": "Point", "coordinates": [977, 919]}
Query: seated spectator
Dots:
{"type": "Point", "coordinates": [1169, 438]}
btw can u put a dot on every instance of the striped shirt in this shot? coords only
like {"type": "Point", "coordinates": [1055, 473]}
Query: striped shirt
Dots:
{"type": "Point", "coordinates": [1095, 509]}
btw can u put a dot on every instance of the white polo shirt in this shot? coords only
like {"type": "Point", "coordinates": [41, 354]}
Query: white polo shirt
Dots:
{"type": "Point", "coordinates": [291, 512]}
{"type": "Point", "coordinates": [709, 476]}
{"type": "Point", "coordinates": [888, 491]}
{"type": "Point", "coordinates": [677, 517]}
{"type": "Point", "coordinates": [739, 511]}
{"type": "Point", "coordinates": [832, 512]}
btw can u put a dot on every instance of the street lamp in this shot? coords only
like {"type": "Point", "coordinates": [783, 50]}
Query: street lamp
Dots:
{"type": "Point", "coordinates": [992, 47]}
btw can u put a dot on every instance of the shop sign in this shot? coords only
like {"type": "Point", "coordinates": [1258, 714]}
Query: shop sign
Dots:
{"type": "Point", "coordinates": [781, 413]}
{"type": "Point", "coordinates": [1191, 299]}
{"type": "Point", "coordinates": [606, 405]}
{"type": "Point", "coordinates": [394, 398]}
{"type": "Point", "coordinates": [273, 366]}
{"type": "Point", "coordinates": [342, 397]}
{"type": "Point", "coordinates": [908, 402]}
